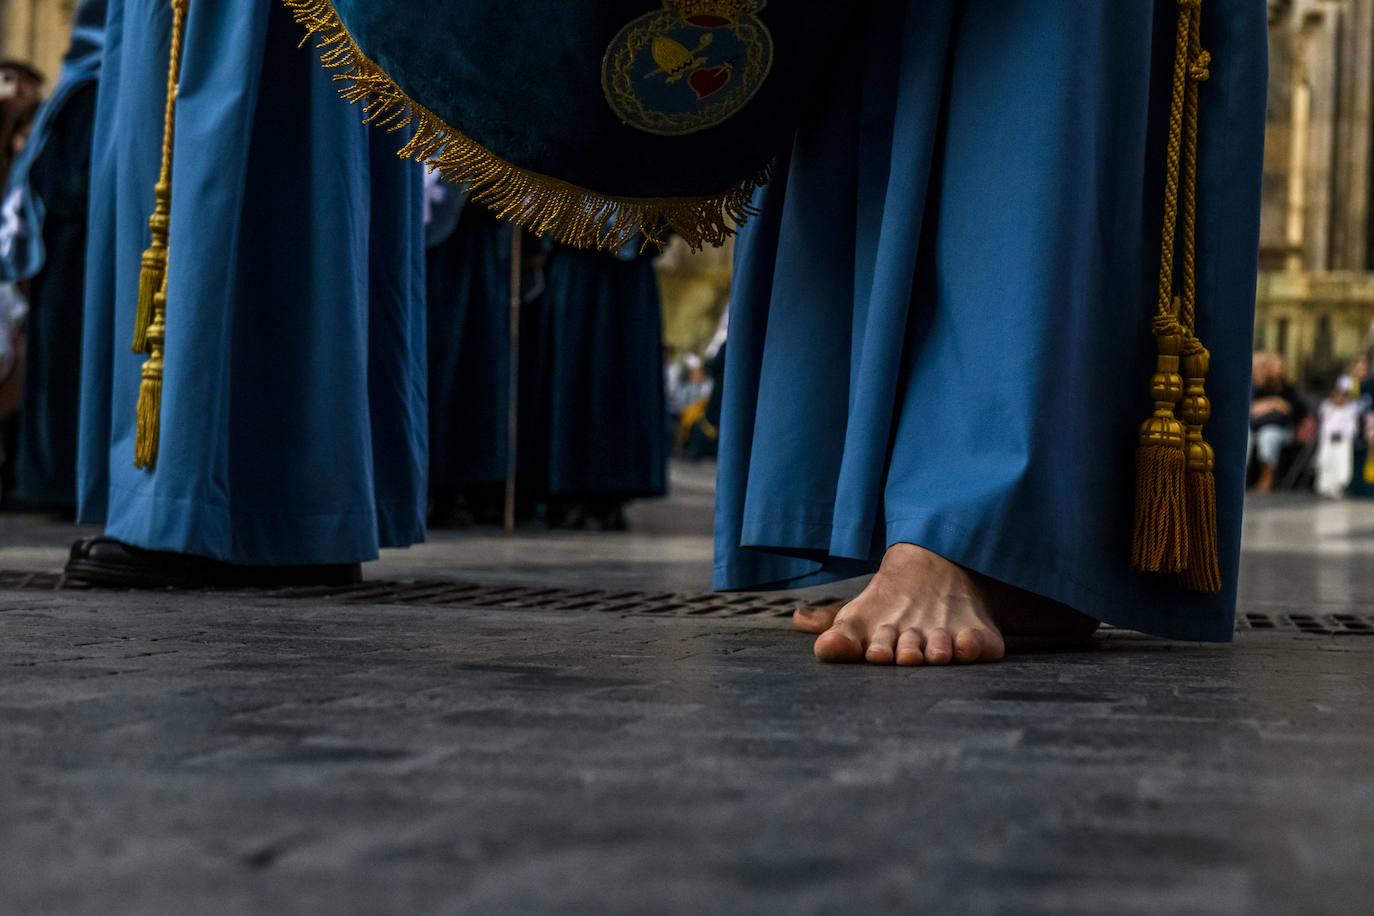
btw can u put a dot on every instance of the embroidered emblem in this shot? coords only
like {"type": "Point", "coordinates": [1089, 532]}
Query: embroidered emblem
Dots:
{"type": "Point", "coordinates": [689, 66]}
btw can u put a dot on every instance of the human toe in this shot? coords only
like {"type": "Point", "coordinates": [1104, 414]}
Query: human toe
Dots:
{"type": "Point", "coordinates": [969, 645]}
{"type": "Point", "coordinates": [814, 618]}
{"type": "Point", "coordinates": [939, 647]}
{"type": "Point", "coordinates": [909, 647]}
{"type": "Point", "coordinates": [841, 643]}
{"type": "Point", "coordinates": [882, 646]}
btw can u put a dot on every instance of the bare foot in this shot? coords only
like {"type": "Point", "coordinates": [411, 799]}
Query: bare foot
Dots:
{"type": "Point", "coordinates": [920, 608]}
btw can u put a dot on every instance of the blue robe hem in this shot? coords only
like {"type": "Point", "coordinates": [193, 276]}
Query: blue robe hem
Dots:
{"type": "Point", "coordinates": [777, 560]}
{"type": "Point", "coordinates": [273, 538]}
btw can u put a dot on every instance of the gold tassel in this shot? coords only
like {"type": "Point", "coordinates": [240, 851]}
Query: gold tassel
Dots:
{"type": "Point", "coordinates": [1203, 572]}
{"type": "Point", "coordinates": [1176, 504]}
{"type": "Point", "coordinates": [542, 204]}
{"type": "Point", "coordinates": [1159, 541]}
{"type": "Point", "coordinates": [150, 322]}
{"type": "Point", "coordinates": [154, 266]}
{"type": "Point", "coordinates": [150, 387]}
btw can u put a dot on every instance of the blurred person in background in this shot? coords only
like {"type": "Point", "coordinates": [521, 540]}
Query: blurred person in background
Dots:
{"type": "Point", "coordinates": [1276, 409]}
{"type": "Point", "coordinates": [1361, 387]}
{"type": "Point", "coordinates": [20, 87]}
{"type": "Point", "coordinates": [20, 82]}
{"type": "Point", "coordinates": [44, 243]}
{"type": "Point", "coordinates": [1339, 417]}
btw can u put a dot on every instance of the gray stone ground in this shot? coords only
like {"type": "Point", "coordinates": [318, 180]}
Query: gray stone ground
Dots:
{"type": "Point", "coordinates": [187, 753]}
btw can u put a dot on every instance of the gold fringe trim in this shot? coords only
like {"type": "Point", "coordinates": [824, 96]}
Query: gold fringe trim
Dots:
{"type": "Point", "coordinates": [540, 203]}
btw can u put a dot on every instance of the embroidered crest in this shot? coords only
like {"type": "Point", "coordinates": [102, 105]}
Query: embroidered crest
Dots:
{"type": "Point", "coordinates": [689, 66]}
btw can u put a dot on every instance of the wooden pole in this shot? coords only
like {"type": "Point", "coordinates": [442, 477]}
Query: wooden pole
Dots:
{"type": "Point", "coordinates": [513, 388]}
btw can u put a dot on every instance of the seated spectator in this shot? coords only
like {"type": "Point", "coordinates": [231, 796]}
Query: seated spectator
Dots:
{"type": "Point", "coordinates": [1340, 422]}
{"type": "Point", "coordinates": [1275, 411]}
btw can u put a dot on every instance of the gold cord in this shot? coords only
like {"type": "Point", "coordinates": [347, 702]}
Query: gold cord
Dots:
{"type": "Point", "coordinates": [1202, 573]}
{"type": "Point", "coordinates": [151, 321]}
{"type": "Point", "coordinates": [1175, 518]}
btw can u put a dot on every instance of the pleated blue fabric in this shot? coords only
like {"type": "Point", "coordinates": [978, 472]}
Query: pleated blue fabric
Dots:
{"type": "Point", "coordinates": [940, 326]}
{"type": "Point", "coordinates": [293, 408]}
{"type": "Point", "coordinates": [601, 370]}
{"type": "Point", "coordinates": [468, 280]}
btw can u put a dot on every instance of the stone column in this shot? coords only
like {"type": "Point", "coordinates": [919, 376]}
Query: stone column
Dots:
{"type": "Point", "coordinates": [36, 31]}
{"type": "Point", "coordinates": [1351, 245]}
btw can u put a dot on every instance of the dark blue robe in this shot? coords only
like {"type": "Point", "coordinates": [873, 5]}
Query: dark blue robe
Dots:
{"type": "Point", "coordinates": [293, 405]}
{"type": "Point", "coordinates": [940, 325]}
{"type": "Point", "coordinates": [47, 195]}
{"type": "Point", "coordinates": [602, 364]}
{"type": "Point", "coordinates": [591, 409]}
{"type": "Point", "coordinates": [468, 303]}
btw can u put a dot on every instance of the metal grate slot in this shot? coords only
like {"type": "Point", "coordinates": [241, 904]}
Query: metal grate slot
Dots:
{"type": "Point", "coordinates": [510, 596]}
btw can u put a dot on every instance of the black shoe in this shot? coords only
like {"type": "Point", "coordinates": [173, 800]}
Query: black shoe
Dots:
{"type": "Point", "coordinates": [103, 562]}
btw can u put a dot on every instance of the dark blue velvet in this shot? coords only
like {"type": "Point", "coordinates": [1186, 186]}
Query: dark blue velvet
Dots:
{"type": "Point", "coordinates": [524, 80]}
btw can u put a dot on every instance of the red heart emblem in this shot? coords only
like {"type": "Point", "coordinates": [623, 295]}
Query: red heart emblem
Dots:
{"type": "Point", "coordinates": [709, 80]}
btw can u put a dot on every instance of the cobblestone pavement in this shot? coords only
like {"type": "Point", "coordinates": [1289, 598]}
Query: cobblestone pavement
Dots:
{"type": "Point", "coordinates": [234, 753]}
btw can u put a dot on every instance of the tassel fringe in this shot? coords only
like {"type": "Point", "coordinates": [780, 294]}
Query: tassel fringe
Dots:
{"type": "Point", "coordinates": [1176, 502]}
{"type": "Point", "coordinates": [1160, 522]}
{"type": "Point", "coordinates": [1160, 539]}
{"type": "Point", "coordinates": [1204, 572]}
{"type": "Point", "coordinates": [148, 435]}
{"type": "Point", "coordinates": [149, 414]}
{"type": "Point", "coordinates": [544, 205]}
{"type": "Point", "coordinates": [149, 282]}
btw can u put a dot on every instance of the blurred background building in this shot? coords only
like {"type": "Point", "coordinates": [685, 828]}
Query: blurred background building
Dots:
{"type": "Point", "coordinates": [1316, 283]}
{"type": "Point", "coordinates": [36, 31]}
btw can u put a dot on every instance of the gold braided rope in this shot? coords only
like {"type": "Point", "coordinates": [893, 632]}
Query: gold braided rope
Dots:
{"type": "Point", "coordinates": [1175, 516]}
{"type": "Point", "coordinates": [1202, 572]}
{"type": "Point", "coordinates": [540, 203]}
{"type": "Point", "coordinates": [1159, 541]}
{"type": "Point", "coordinates": [150, 331]}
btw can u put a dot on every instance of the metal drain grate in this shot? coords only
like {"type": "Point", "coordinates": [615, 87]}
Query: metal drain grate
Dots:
{"type": "Point", "coordinates": [549, 598]}
{"type": "Point", "coordinates": [1342, 624]}
{"type": "Point", "coordinates": [451, 593]}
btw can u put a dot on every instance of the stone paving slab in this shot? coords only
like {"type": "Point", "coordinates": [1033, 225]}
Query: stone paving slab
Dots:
{"type": "Point", "coordinates": [179, 753]}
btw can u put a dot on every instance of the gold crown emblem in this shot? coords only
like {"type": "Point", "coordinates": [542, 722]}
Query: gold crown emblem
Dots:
{"type": "Point", "coordinates": [714, 14]}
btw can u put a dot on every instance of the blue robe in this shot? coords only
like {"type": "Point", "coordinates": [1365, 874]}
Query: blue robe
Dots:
{"type": "Point", "coordinates": [591, 409]}
{"type": "Point", "coordinates": [293, 405]}
{"type": "Point", "coordinates": [468, 282]}
{"type": "Point", "coordinates": [940, 324]}
{"type": "Point", "coordinates": [601, 363]}
{"type": "Point", "coordinates": [46, 244]}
